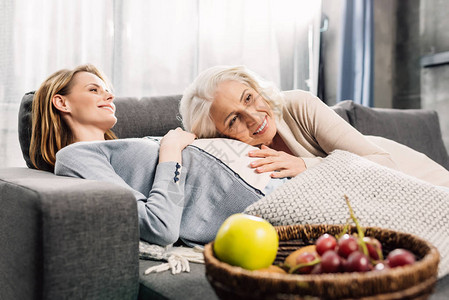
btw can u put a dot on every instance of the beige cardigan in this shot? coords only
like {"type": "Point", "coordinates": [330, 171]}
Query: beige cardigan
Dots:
{"type": "Point", "coordinates": [312, 130]}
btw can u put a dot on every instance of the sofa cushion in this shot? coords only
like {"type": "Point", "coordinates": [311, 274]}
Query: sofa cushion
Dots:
{"type": "Point", "coordinates": [342, 109]}
{"type": "Point", "coordinates": [417, 128]}
{"type": "Point", "coordinates": [148, 116]}
{"type": "Point", "coordinates": [24, 128]}
{"type": "Point", "coordinates": [165, 285]}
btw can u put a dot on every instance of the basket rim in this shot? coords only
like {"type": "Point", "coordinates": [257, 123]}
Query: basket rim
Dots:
{"type": "Point", "coordinates": [419, 266]}
{"type": "Point", "coordinates": [429, 261]}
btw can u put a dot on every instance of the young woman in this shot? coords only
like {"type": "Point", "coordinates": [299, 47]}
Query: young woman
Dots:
{"type": "Point", "coordinates": [180, 193]}
{"type": "Point", "coordinates": [293, 129]}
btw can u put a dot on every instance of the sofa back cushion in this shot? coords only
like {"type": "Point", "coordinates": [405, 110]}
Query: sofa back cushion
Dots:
{"type": "Point", "coordinates": [155, 116]}
{"type": "Point", "coordinates": [148, 116]}
{"type": "Point", "coordinates": [418, 129]}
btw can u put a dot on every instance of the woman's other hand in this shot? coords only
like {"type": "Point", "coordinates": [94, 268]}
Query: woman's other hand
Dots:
{"type": "Point", "coordinates": [280, 163]}
{"type": "Point", "coordinates": [173, 143]}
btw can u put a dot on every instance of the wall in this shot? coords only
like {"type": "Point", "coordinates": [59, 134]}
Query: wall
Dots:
{"type": "Point", "coordinates": [434, 36]}
{"type": "Point", "coordinates": [422, 29]}
{"type": "Point", "coordinates": [384, 45]}
{"type": "Point", "coordinates": [407, 73]}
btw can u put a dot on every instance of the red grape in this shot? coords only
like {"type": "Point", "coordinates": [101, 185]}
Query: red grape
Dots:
{"type": "Point", "coordinates": [400, 257]}
{"type": "Point", "coordinates": [346, 245]}
{"type": "Point", "coordinates": [325, 243]}
{"type": "Point", "coordinates": [374, 247]}
{"type": "Point", "coordinates": [358, 262]}
{"type": "Point", "coordinates": [304, 258]}
{"type": "Point", "coordinates": [317, 269]}
{"type": "Point", "coordinates": [331, 262]}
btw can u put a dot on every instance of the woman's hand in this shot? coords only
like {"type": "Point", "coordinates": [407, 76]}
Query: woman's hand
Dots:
{"type": "Point", "coordinates": [280, 163]}
{"type": "Point", "coordinates": [173, 143]}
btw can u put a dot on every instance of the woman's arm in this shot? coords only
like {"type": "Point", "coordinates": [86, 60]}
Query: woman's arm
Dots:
{"type": "Point", "coordinates": [319, 130]}
{"type": "Point", "coordinates": [329, 131]}
{"type": "Point", "coordinates": [160, 213]}
{"type": "Point", "coordinates": [173, 143]}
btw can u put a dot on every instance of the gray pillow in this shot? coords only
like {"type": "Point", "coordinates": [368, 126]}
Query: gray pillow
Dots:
{"type": "Point", "coordinates": [24, 128]}
{"type": "Point", "coordinates": [148, 116]}
{"type": "Point", "coordinates": [343, 108]}
{"type": "Point", "coordinates": [417, 128]}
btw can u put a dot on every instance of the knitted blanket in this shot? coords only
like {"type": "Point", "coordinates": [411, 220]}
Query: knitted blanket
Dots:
{"type": "Point", "coordinates": [379, 196]}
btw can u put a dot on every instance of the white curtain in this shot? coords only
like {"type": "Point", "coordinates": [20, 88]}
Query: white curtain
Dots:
{"type": "Point", "coordinates": [150, 47]}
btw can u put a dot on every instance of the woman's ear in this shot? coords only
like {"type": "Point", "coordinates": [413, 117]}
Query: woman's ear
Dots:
{"type": "Point", "coordinates": [60, 104]}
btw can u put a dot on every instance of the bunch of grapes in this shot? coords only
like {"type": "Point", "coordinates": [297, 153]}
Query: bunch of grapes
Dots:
{"type": "Point", "coordinates": [345, 253]}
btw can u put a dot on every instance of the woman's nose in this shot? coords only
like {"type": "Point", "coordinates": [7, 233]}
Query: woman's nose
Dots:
{"type": "Point", "coordinates": [250, 117]}
{"type": "Point", "coordinates": [109, 96]}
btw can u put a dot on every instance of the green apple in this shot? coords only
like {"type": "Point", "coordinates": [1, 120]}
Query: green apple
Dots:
{"type": "Point", "coordinates": [246, 241]}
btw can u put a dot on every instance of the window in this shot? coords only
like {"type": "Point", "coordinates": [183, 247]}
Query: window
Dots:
{"type": "Point", "coordinates": [150, 47]}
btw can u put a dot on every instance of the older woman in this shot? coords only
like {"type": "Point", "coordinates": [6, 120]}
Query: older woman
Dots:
{"type": "Point", "coordinates": [293, 129]}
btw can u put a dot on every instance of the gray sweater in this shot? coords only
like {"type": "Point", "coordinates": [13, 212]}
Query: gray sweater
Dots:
{"type": "Point", "coordinates": [190, 205]}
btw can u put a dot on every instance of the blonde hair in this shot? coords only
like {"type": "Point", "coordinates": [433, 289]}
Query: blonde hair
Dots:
{"type": "Point", "coordinates": [49, 132]}
{"type": "Point", "coordinates": [198, 97]}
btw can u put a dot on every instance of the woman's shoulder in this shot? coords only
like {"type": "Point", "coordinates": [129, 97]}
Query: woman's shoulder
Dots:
{"type": "Point", "coordinates": [296, 93]}
{"type": "Point", "coordinates": [294, 99]}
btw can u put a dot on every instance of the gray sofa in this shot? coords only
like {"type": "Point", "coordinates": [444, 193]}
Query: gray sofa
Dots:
{"type": "Point", "coordinates": [68, 238]}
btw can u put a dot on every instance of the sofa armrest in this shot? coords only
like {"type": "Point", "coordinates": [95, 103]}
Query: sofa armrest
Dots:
{"type": "Point", "coordinates": [66, 238]}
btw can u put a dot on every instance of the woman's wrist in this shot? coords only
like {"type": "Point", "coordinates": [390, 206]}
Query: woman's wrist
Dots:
{"type": "Point", "coordinates": [170, 153]}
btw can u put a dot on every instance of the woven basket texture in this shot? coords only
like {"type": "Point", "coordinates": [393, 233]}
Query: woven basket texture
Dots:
{"type": "Point", "coordinates": [415, 281]}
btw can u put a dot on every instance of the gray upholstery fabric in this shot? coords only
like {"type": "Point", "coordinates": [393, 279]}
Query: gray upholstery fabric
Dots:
{"type": "Point", "coordinates": [417, 128]}
{"type": "Point", "coordinates": [441, 289]}
{"type": "Point", "coordinates": [66, 238]}
{"type": "Point", "coordinates": [341, 111]}
{"type": "Point", "coordinates": [21, 255]}
{"type": "Point", "coordinates": [165, 285]}
{"type": "Point", "coordinates": [24, 128]}
{"type": "Point", "coordinates": [148, 116]}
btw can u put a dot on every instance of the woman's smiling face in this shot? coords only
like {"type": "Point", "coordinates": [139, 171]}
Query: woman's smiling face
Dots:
{"type": "Point", "coordinates": [239, 112]}
{"type": "Point", "coordinates": [90, 102]}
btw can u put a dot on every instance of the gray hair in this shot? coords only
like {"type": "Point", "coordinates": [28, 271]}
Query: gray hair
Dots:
{"type": "Point", "coordinates": [198, 97]}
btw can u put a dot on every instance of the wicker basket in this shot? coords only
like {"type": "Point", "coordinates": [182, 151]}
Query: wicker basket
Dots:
{"type": "Point", "coordinates": [409, 282]}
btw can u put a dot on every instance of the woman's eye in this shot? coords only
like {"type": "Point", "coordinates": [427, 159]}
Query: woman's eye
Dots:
{"type": "Point", "coordinates": [248, 98]}
{"type": "Point", "coordinates": [93, 90]}
{"type": "Point", "coordinates": [232, 121]}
